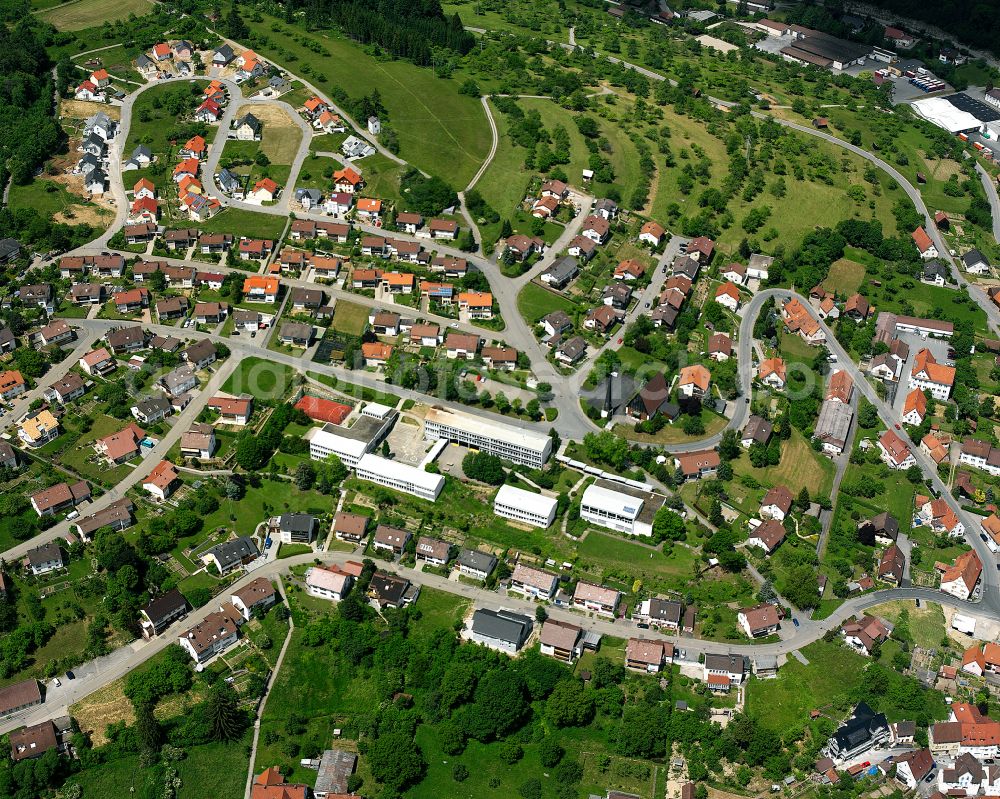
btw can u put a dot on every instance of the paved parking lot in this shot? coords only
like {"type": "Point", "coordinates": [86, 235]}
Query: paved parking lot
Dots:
{"type": "Point", "coordinates": [938, 347]}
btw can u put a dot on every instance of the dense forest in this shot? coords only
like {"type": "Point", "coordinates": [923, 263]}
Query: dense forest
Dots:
{"type": "Point", "coordinates": [974, 24]}
{"type": "Point", "coordinates": [410, 29]}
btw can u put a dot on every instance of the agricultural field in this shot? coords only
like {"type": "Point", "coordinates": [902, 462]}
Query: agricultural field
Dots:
{"type": "Point", "coordinates": [440, 131]}
{"type": "Point", "coordinates": [80, 14]}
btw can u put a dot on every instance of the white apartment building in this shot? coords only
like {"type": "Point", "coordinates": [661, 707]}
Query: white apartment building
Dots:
{"type": "Point", "coordinates": [400, 477]}
{"type": "Point", "coordinates": [524, 506]}
{"type": "Point", "coordinates": [503, 440]}
{"type": "Point", "coordinates": [620, 507]}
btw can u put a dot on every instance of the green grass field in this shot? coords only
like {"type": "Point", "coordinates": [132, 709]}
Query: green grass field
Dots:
{"type": "Point", "coordinates": [602, 551]}
{"type": "Point", "coordinates": [261, 378]}
{"type": "Point", "coordinates": [152, 122]}
{"type": "Point", "coordinates": [534, 302]}
{"type": "Point", "coordinates": [381, 176]}
{"type": "Point", "coordinates": [504, 183]}
{"type": "Point", "coordinates": [209, 771]}
{"type": "Point", "coordinates": [845, 277]}
{"type": "Point", "coordinates": [784, 703]}
{"type": "Point", "coordinates": [800, 466]}
{"type": "Point", "coordinates": [927, 624]}
{"type": "Point", "coordinates": [241, 222]}
{"type": "Point", "coordinates": [349, 317]}
{"type": "Point", "coordinates": [440, 131]}
{"type": "Point", "coordinates": [80, 14]}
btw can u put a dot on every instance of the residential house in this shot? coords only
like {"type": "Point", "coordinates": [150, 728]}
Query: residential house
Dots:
{"type": "Point", "coordinates": [561, 640]}
{"type": "Point", "coordinates": [647, 656]}
{"type": "Point", "coordinates": [894, 451]}
{"type": "Point", "coordinates": [232, 410]}
{"type": "Point", "coordinates": [122, 446]}
{"type": "Point", "coordinates": [38, 428]}
{"type": "Point", "coordinates": [728, 295]}
{"type": "Point", "coordinates": [596, 599]}
{"type": "Point", "coordinates": [892, 565]}
{"type": "Point", "coordinates": [767, 535]}
{"type": "Point", "coordinates": [561, 272]}
{"type": "Point", "coordinates": [962, 578]}
{"type": "Point", "coordinates": [198, 441]}
{"type": "Point", "coordinates": [257, 595]}
{"type": "Point", "coordinates": [329, 582]}
{"type": "Point", "coordinates": [503, 630]}
{"type": "Point", "coordinates": [759, 621]}
{"type": "Point", "coordinates": [928, 374]}
{"type": "Point", "coordinates": [231, 555]}
{"type": "Point", "coordinates": [45, 558]}
{"type": "Point", "coordinates": [162, 611]}
{"type": "Point", "coordinates": [350, 527]}
{"type": "Point", "coordinates": [772, 373]}
{"type": "Point", "coordinates": [757, 430]}
{"type": "Point", "coordinates": [925, 246]}
{"type": "Point", "coordinates": [476, 564]}
{"type": "Point", "coordinates": [652, 233]}
{"type": "Point", "coordinates": [150, 411]}
{"type": "Point", "coordinates": [57, 498]}
{"type": "Point", "coordinates": [694, 381]}
{"type": "Point", "coordinates": [390, 539]}
{"type": "Point", "coordinates": [162, 481]}
{"type": "Point", "coordinates": [915, 407]}
{"type": "Point", "coordinates": [697, 465]}
{"type": "Point", "coordinates": [213, 635]}
{"type": "Point", "coordinates": [533, 583]}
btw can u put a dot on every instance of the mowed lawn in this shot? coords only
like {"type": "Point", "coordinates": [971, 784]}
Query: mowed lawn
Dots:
{"type": "Point", "coordinates": [263, 379]}
{"type": "Point", "coordinates": [241, 222]}
{"type": "Point", "coordinates": [845, 276]}
{"type": "Point", "coordinates": [534, 302]}
{"type": "Point", "coordinates": [800, 467]}
{"type": "Point", "coordinates": [440, 131]}
{"type": "Point", "coordinates": [350, 317]}
{"type": "Point", "coordinates": [82, 14]}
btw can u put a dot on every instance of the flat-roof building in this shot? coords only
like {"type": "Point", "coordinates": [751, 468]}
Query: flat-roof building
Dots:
{"type": "Point", "coordinates": [400, 476]}
{"type": "Point", "coordinates": [503, 440]}
{"type": "Point", "coordinates": [524, 506]}
{"type": "Point", "coordinates": [620, 507]}
{"type": "Point", "coordinates": [349, 443]}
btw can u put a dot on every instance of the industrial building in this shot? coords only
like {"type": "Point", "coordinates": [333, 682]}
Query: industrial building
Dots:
{"type": "Point", "coordinates": [823, 50]}
{"type": "Point", "coordinates": [400, 476]}
{"type": "Point", "coordinates": [620, 507]}
{"type": "Point", "coordinates": [524, 506]}
{"type": "Point", "coordinates": [503, 440]}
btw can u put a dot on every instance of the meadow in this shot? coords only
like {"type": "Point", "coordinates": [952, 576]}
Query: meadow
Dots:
{"type": "Point", "coordinates": [440, 131]}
